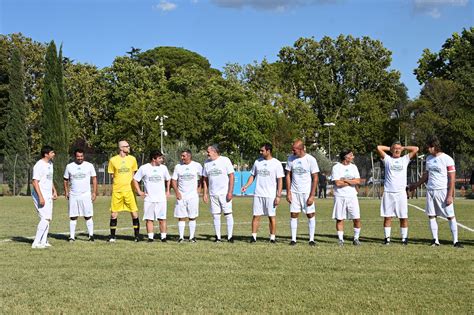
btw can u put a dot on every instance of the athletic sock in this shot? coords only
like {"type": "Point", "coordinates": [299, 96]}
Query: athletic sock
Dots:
{"type": "Point", "coordinates": [163, 235]}
{"type": "Point", "coordinates": [41, 230]}
{"type": "Point", "coordinates": [387, 231]}
{"type": "Point", "coordinates": [454, 229]}
{"type": "Point", "coordinates": [254, 235]}
{"type": "Point", "coordinates": [272, 237]}
{"type": "Point", "coordinates": [192, 229]}
{"type": "Point", "coordinates": [294, 228]}
{"type": "Point", "coordinates": [72, 228]}
{"type": "Point", "coordinates": [340, 235]}
{"type": "Point", "coordinates": [217, 225]}
{"type": "Point", "coordinates": [312, 228]}
{"type": "Point", "coordinates": [181, 226]}
{"type": "Point", "coordinates": [136, 226]}
{"type": "Point", "coordinates": [151, 235]}
{"type": "Point", "coordinates": [434, 229]}
{"type": "Point", "coordinates": [404, 233]}
{"type": "Point", "coordinates": [113, 227]}
{"type": "Point", "coordinates": [230, 225]}
{"type": "Point", "coordinates": [356, 233]}
{"type": "Point", "coordinates": [90, 226]}
{"type": "Point", "coordinates": [44, 240]}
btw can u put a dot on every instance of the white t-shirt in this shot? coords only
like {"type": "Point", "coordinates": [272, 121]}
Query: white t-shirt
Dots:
{"type": "Point", "coordinates": [218, 171]}
{"type": "Point", "coordinates": [43, 173]}
{"type": "Point", "coordinates": [79, 175]}
{"type": "Point", "coordinates": [438, 168]}
{"type": "Point", "coordinates": [154, 178]}
{"type": "Point", "coordinates": [395, 173]}
{"type": "Point", "coordinates": [266, 173]}
{"type": "Point", "coordinates": [187, 176]}
{"type": "Point", "coordinates": [341, 171]}
{"type": "Point", "coordinates": [301, 170]}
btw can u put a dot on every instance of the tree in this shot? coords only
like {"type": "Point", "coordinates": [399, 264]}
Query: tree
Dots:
{"type": "Point", "coordinates": [3, 90]}
{"type": "Point", "coordinates": [16, 141]}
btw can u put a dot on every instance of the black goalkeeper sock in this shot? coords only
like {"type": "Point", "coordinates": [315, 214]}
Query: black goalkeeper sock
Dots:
{"type": "Point", "coordinates": [136, 226]}
{"type": "Point", "coordinates": [113, 227]}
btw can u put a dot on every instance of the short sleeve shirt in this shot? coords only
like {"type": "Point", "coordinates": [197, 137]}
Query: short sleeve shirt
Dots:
{"type": "Point", "coordinates": [122, 168]}
{"type": "Point", "coordinates": [395, 173]}
{"type": "Point", "coordinates": [341, 171]}
{"type": "Point", "coordinates": [266, 173]}
{"type": "Point", "coordinates": [438, 168]}
{"type": "Point", "coordinates": [218, 171]}
{"type": "Point", "coordinates": [301, 170]}
{"type": "Point", "coordinates": [154, 178]}
{"type": "Point", "coordinates": [43, 173]}
{"type": "Point", "coordinates": [79, 175]}
{"type": "Point", "coordinates": [187, 177]}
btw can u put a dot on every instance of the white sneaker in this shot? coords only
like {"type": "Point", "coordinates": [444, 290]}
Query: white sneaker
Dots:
{"type": "Point", "coordinates": [38, 246]}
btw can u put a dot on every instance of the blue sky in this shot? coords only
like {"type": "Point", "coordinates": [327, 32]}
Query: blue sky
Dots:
{"type": "Point", "coordinates": [241, 31]}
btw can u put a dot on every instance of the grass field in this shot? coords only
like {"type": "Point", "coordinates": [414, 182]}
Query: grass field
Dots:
{"type": "Point", "coordinates": [204, 277]}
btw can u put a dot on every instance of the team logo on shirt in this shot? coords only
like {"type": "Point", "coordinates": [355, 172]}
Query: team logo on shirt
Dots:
{"type": "Point", "coordinates": [187, 176]}
{"type": "Point", "coordinates": [348, 175]}
{"type": "Point", "coordinates": [263, 172]}
{"type": "Point", "coordinates": [396, 167]}
{"type": "Point", "coordinates": [214, 172]}
{"type": "Point", "coordinates": [78, 175]}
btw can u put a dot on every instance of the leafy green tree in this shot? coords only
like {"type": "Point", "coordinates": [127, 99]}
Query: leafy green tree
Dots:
{"type": "Point", "coordinates": [4, 62]}
{"type": "Point", "coordinates": [16, 141]}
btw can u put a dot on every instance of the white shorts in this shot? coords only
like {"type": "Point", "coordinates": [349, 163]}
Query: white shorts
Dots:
{"type": "Point", "coordinates": [394, 204]}
{"type": "Point", "coordinates": [80, 205]}
{"type": "Point", "coordinates": [264, 206]}
{"type": "Point", "coordinates": [154, 210]}
{"type": "Point", "coordinates": [219, 204]}
{"type": "Point", "coordinates": [346, 208]}
{"type": "Point", "coordinates": [45, 212]}
{"type": "Point", "coordinates": [187, 208]}
{"type": "Point", "coordinates": [436, 204]}
{"type": "Point", "coordinates": [298, 203]}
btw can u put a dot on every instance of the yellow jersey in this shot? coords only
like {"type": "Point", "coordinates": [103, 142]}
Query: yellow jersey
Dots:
{"type": "Point", "coordinates": [122, 168]}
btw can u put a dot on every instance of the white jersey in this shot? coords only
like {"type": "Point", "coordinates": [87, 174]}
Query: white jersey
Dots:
{"type": "Point", "coordinates": [218, 171]}
{"type": "Point", "coordinates": [79, 175]}
{"type": "Point", "coordinates": [341, 171]}
{"type": "Point", "coordinates": [187, 177]}
{"type": "Point", "coordinates": [396, 173]}
{"type": "Point", "coordinates": [301, 170]}
{"type": "Point", "coordinates": [43, 173]}
{"type": "Point", "coordinates": [438, 168]}
{"type": "Point", "coordinates": [266, 173]}
{"type": "Point", "coordinates": [154, 178]}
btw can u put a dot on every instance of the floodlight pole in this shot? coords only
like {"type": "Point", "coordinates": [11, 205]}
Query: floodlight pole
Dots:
{"type": "Point", "coordinates": [329, 125]}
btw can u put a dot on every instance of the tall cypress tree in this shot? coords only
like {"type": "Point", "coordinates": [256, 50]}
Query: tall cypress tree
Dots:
{"type": "Point", "coordinates": [53, 123]}
{"type": "Point", "coordinates": [4, 70]}
{"type": "Point", "coordinates": [16, 140]}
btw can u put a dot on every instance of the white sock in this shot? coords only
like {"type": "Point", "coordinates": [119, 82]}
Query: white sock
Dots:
{"type": "Point", "coordinates": [312, 228]}
{"type": "Point", "coordinates": [151, 235]}
{"type": "Point", "coordinates": [72, 228]}
{"type": "Point", "coordinates": [404, 233]}
{"type": "Point", "coordinates": [254, 235]}
{"type": "Point", "coordinates": [356, 233]}
{"type": "Point", "coordinates": [294, 228]}
{"type": "Point", "coordinates": [44, 240]}
{"type": "Point", "coordinates": [434, 229]}
{"type": "Point", "coordinates": [230, 225]}
{"type": "Point", "coordinates": [41, 231]}
{"type": "Point", "coordinates": [387, 231]}
{"type": "Point", "coordinates": [163, 235]}
{"type": "Point", "coordinates": [192, 228]}
{"type": "Point", "coordinates": [340, 235]}
{"type": "Point", "coordinates": [181, 226]}
{"type": "Point", "coordinates": [272, 237]}
{"type": "Point", "coordinates": [217, 225]}
{"type": "Point", "coordinates": [90, 226]}
{"type": "Point", "coordinates": [454, 229]}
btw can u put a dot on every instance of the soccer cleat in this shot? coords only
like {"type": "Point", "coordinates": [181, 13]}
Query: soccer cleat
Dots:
{"type": "Point", "coordinates": [150, 240]}
{"type": "Point", "coordinates": [164, 240]}
{"type": "Point", "coordinates": [192, 240]}
{"type": "Point", "coordinates": [340, 243]}
{"type": "Point", "coordinates": [217, 240]}
{"type": "Point", "coordinates": [356, 242]}
{"type": "Point", "coordinates": [458, 245]}
{"type": "Point", "coordinates": [230, 240]}
{"type": "Point", "coordinates": [48, 245]}
{"type": "Point", "coordinates": [38, 246]}
{"type": "Point", "coordinates": [91, 238]}
{"type": "Point", "coordinates": [434, 243]}
{"type": "Point", "coordinates": [112, 240]}
{"type": "Point", "coordinates": [71, 240]}
{"type": "Point", "coordinates": [136, 239]}
{"type": "Point", "coordinates": [181, 240]}
{"type": "Point", "coordinates": [386, 241]}
{"type": "Point", "coordinates": [292, 243]}
{"type": "Point", "coordinates": [273, 241]}
{"type": "Point", "coordinates": [253, 239]}
{"type": "Point", "coordinates": [312, 243]}
{"type": "Point", "coordinates": [405, 242]}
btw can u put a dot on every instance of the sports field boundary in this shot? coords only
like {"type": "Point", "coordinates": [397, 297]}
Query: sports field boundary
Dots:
{"type": "Point", "coordinates": [459, 224]}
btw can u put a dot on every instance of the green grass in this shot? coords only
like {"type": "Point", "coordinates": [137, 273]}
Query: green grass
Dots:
{"type": "Point", "coordinates": [205, 277]}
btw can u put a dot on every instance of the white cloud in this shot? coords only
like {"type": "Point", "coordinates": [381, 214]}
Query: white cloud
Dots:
{"type": "Point", "coordinates": [433, 8]}
{"type": "Point", "coordinates": [165, 6]}
{"type": "Point", "coordinates": [269, 5]}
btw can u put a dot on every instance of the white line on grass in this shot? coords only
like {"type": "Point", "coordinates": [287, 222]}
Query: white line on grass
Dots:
{"type": "Point", "coordinates": [459, 224]}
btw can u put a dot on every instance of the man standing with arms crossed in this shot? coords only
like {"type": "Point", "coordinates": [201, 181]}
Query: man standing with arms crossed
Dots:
{"type": "Point", "coordinates": [394, 200]}
{"type": "Point", "coordinates": [43, 195]}
{"type": "Point", "coordinates": [122, 167]}
{"type": "Point", "coordinates": [156, 177]}
{"type": "Point", "coordinates": [218, 181]}
{"type": "Point", "coordinates": [269, 183]}
{"type": "Point", "coordinates": [441, 176]}
{"type": "Point", "coordinates": [78, 174]}
{"type": "Point", "coordinates": [185, 182]}
{"type": "Point", "coordinates": [301, 182]}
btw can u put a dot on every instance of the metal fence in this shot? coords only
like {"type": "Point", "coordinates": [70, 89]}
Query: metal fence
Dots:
{"type": "Point", "coordinates": [370, 168]}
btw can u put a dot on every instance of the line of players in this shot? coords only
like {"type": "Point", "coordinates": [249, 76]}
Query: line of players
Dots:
{"type": "Point", "coordinates": [217, 179]}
